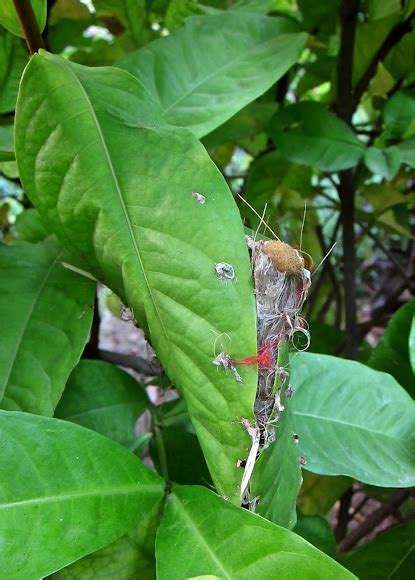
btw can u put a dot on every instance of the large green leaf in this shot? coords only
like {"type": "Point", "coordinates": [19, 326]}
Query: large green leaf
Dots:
{"type": "Point", "coordinates": [13, 59]}
{"type": "Point", "coordinates": [316, 72]}
{"type": "Point", "coordinates": [276, 478]}
{"type": "Point", "coordinates": [47, 314]}
{"type": "Point", "coordinates": [115, 182]}
{"type": "Point", "coordinates": [320, 18]}
{"type": "Point", "coordinates": [265, 6]}
{"type": "Point", "coordinates": [131, 557]}
{"type": "Point", "coordinates": [201, 534]}
{"type": "Point", "coordinates": [369, 38]}
{"type": "Point", "coordinates": [309, 134]}
{"type": "Point", "coordinates": [390, 556]}
{"type": "Point", "coordinates": [282, 185]}
{"type": "Point", "coordinates": [10, 20]}
{"type": "Point", "coordinates": [6, 143]}
{"type": "Point", "coordinates": [385, 162]}
{"type": "Point", "coordinates": [392, 353]}
{"type": "Point", "coordinates": [29, 227]}
{"type": "Point", "coordinates": [378, 9]}
{"type": "Point", "coordinates": [205, 72]}
{"type": "Point", "coordinates": [246, 124]}
{"type": "Point", "coordinates": [399, 61]}
{"type": "Point", "coordinates": [382, 197]}
{"type": "Point", "coordinates": [353, 421]}
{"type": "Point", "coordinates": [65, 492]}
{"type": "Point", "coordinates": [185, 461]}
{"type": "Point", "coordinates": [277, 475]}
{"type": "Point", "coordinates": [102, 397]}
{"type": "Point", "coordinates": [399, 115]}
{"type": "Point", "coordinates": [407, 149]}
{"type": "Point", "coordinates": [178, 10]}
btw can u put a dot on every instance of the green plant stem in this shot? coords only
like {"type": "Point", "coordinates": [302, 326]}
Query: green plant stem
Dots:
{"type": "Point", "coordinates": [161, 448]}
{"type": "Point", "coordinates": [29, 24]}
{"type": "Point", "coordinates": [162, 456]}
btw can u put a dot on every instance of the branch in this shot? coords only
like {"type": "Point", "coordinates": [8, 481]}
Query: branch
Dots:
{"type": "Point", "coordinates": [346, 189]}
{"type": "Point", "coordinates": [399, 269]}
{"type": "Point", "coordinates": [387, 308]}
{"type": "Point", "coordinates": [348, 20]}
{"type": "Point", "coordinates": [374, 520]}
{"type": "Point", "coordinates": [390, 41]}
{"type": "Point", "coordinates": [132, 362]}
{"type": "Point", "coordinates": [347, 193]}
{"type": "Point", "coordinates": [29, 24]}
{"type": "Point", "coordinates": [343, 517]}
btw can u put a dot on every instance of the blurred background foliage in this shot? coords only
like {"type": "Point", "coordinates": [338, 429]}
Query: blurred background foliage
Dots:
{"type": "Point", "coordinates": [332, 141]}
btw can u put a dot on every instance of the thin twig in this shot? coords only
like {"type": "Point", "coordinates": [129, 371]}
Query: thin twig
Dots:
{"type": "Point", "coordinates": [372, 521]}
{"type": "Point", "coordinates": [390, 41]}
{"type": "Point", "coordinates": [391, 257]}
{"type": "Point", "coordinates": [129, 361]}
{"type": "Point", "coordinates": [388, 307]}
{"type": "Point", "coordinates": [359, 507]}
{"type": "Point", "coordinates": [326, 196]}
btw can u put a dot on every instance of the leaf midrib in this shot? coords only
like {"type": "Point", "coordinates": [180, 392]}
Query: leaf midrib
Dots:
{"type": "Point", "coordinates": [400, 562]}
{"type": "Point", "coordinates": [202, 538]}
{"type": "Point", "coordinates": [122, 202]}
{"type": "Point", "coordinates": [118, 490]}
{"type": "Point", "coordinates": [353, 425]}
{"type": "Point", "coordinates": [26, 323]}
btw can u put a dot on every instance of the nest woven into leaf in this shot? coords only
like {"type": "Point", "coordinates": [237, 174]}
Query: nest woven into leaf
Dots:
{"type": "Point", "coordinates": [279, 296]}
{"type": "Point", "coordinates": [281, 285]}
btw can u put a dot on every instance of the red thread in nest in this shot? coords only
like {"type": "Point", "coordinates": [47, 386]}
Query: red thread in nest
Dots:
{"type": "Point", "coordinates": [300, 292]}
{"type": "Point", "coordinates": [264, 359]}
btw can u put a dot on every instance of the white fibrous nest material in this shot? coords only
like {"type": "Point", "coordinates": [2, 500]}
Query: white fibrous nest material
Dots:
{"type": "Point", "coordinates": [281, 285]}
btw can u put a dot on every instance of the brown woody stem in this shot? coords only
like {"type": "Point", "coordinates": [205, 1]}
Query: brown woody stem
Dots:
{"type": "Point", "coordinates": [29, 24]}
